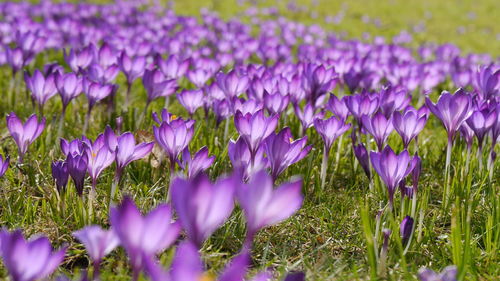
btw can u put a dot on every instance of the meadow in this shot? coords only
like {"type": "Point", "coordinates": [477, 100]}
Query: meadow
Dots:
{"type": "Point", "coordinates": [388, 168]}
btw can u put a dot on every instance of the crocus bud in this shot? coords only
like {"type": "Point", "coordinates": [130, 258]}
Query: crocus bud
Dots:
{"type": "Point", "coordinates": [406, 229]}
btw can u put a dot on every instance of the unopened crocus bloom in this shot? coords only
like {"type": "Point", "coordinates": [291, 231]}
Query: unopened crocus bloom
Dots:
{"type": "Point", "coordinates": [41, 88]}
{"type": "Point", "coordinates": [254, 128]}
{"type": "Point", "coordinates": [487, 82]}
{"type": "Point", "coordinates": [362, 104]}
{"type": "Point", "coordinates": [406, 229]}
{"type": "Point", "coordinates": [393, 99]}
{"type": "Point", "coordinates": [4, 165]}
{"type": "Point", "coordinates": [449, 273]}
{"type": "Point", "coordinates": [28, 260]}
{"type": "Point", "coordinates": [379, 127]}
{"type": "Point", "coordinates": [241, 158]}
{"type": "Point", "coordinates": [232, 84]}
{"type": "Point", "coordinates": [173, 137]}
{"type": "Point", "coordinates": [95, 92]}
{"type": "Point", "coordinates": [338, 107]}
{"type": "Point", "coordinates": [203, 206]}
{"type": "Point", "coordinates": [276, 103]}
{"type": "Point", "coordinates": [282, 151]}
{"type": "Point", "coordinates": [98, 243]}
{"type": "Point", "coordinates": [480, 122]}
{"type": "Point", "coordinates": [143, 235]}
{"type": "Point", "coordinates": [24, 134]}
{"type": "Point", "coordinates": [391, 167]}
{"type": "Point", "coordinates": [307, 116]}
{"type": "Point", "coordinates": [191, 100]}
{"type": "Point", "coordinates": [77, 168]}
{"type": "Point", "coordinates": [329, 130]}
{"type": "Point", "coordinates": [317, 81]}
{"type": "Point", "coordinates": [408, 125]}
{"type": "Point", "coordinates": [60, 174]}
{"type": "Point", "coordinates": [452, 110]}
{"type": "Point", "coordinates": [363, 157]}
{"type": "Point", "coordinates": [197, 163]}
{"type": "Point", "coordinates": [78, 60]}
{"type": "Point", "coordinates": [265, 206]}
{"type": "Point", "coordinates": [133, 68]}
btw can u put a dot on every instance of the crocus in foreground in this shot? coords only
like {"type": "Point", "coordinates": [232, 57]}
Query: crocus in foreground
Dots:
{"type": "Point", "coordinates": [143, 235]}
{"type": "Point", "coordinates": [28, 260]}
{"type": "Point", "coordinates": [203, 206]}
{"type": "Point", "coordinates": [408, 125]}
{"type": "Point", "coordinates": [98, 243]}
{"type": "Point", "coordinates": [60, 174]}
{"type": "Point", "coordinates": [24, 134]}
{"type": "Point", "coordinates": [264, 206]}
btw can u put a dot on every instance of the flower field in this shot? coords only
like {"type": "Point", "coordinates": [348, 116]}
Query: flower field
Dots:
{"type": "Point", "coordinates": [166, 141]}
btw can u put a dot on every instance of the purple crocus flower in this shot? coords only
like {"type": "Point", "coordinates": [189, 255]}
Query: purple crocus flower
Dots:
{"type": "Point", "coordinates": [282, 151]}
{"type": "Point", "coordinates": [198, 163]}
{"type": "Point", "coordinates": [452, 110]}
{"type": "Point", "coordinates": [4, 165]}
{"type": "Point", "coordinates": [69, 86]}
{"type": "Point", "coordinates": [95, 92]}
{"type": "Point", "coordinates": [276, 103]}
{"type": "Point", "coordinates": [199, 77]}
{"type": "Point", "coordinates": [15, 59]}
{"type": "Point", "coordinates": [143, 235]}
{"type": "Point", "coordinates": [241, 158]}
{"type": "Point", "coordinates": [77, 168]}
{"type": "Point", "coordinates": [98, 243]}
{"type": "Point", "coordinates": [24, 134]}
{"type": "Point", "coordinates": [338, 107]}
{"type": "Point", "coordinates": [362, 104]}
{"type": "Point", "coordinates": [487, 82]}
{"type": "Point", "coordinates": [191, 100]}
{"type": "Point", "coordinates": [172, 68]}
{"type": "Point", "coordinates": [406, 229]}
{"type": "Point", "coordinates": [408, 125]}
{"type": "Point", "coordinates": [392, 168]}
{"type": "Point", "coordinates": [133, 68]}
{"type": "Point", "coordinates": [41, 88]}
{"type": "Point", "coordinates": [232, 84]}
{"type": "Point", "coordinates": [307, 116]}
{"type": "Point", "coordinates": [363, 158]}
{"type": "Point", "coordinates": [78, 60]}
{"type": "Point", "coordinates": [60, 174]}
{"type": "Point", "coordinates": [125, 149]}
{"type": "Point", "coordinates": [264, 206]}
{"type": "Point", "coordinates": [393, 99]}
{"type": "Point", "coordinates": [254, 128]}
{"type": "Point", "coordinates": [480, 122]}
{"type": "Point", "coordinates": [28, 260]}
{"type": "Point", "coordinates": [449, 273]}
{"type": "Point", "coordinates": [157, 85]}
{"type": "Point", "coordinates": [99, 157]}
{"type": "Point", "coordinates": [173, 137]}
{"type": "Point", "coordinates": [203, 207]}
{"type": "Point", "coordinates": [379, 127]}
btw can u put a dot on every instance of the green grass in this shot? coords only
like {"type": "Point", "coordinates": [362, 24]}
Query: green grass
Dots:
{"type": "Point", "coordinates": [327, 237]}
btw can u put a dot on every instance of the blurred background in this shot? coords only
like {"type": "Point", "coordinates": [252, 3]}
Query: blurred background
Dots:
{"type": "Point", "coordinates": [474, 26]}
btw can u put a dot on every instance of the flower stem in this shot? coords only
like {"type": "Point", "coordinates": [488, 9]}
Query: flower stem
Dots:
{"type": "Point", "coordinates": [324, 166]}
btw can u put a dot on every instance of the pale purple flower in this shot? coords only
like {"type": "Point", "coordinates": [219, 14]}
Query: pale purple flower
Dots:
{"type": "Point", "coordinates": [241, 158]}
{"type": "Point", "coordinates": [191, 100]}
{"type": "Point", "coordinates": [143, 235]}
{"type": "Point", "coordinates": [379, 127]}
{"type": "Point", "coordinates": [173, 137]}
{"type": "Point", "coordinates": [338, 107]}
{"type": "Point", "coordinates": [480, 122]}
{"type": "Point", "coordinates": [24, 134]}
{"type": "Point", "coordinates": [4, 165]}
{"type": "Point", "coordinates": [307, 116]}
{"type": "Point", "coordinates": [172, 67]}
{"type": "Point", "coordinates": [28, 260]}
{"type": "Point", "coordinates": [99, 157]}
{"type": "Point", "coordinates": [78, 60]}
{"type": "Point", "coordinates": [69, 86]}
{"type": "Point", "coordinates": [330, 129]}
{"type": "Point", "coordinates": [203, 206]}
{"type": "Point", "coordinates": [408, 125]}
{"type": "Point", "coordinates": [197, 163]}
{"type": "Point", "coordinates": [449, 273]}
{"type": "Point", "coordinates": [41, 88]}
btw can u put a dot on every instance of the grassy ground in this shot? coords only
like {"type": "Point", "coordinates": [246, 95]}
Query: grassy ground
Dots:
{"type": "Point", "coordinates": [325, 239]}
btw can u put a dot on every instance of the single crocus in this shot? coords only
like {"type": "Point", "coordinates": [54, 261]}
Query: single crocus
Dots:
{"type": "Point", "coordinates": [276, 103]}
{"type": "Point", "coordinates": [69, 86]}
{"type": "Point", "coordinates": [452, 110]}
{"type": "Point", "coordinates": [79, 60]}
{"type": "Point", "coordinates": [41, 88]}
{"type": "Point", "coordinates": [481, 122]}
{"type": "Point", "coordinates": [241, 158]}
{"type": "Point", "coordinates": [157, 85]}
{"type": "Point", "coordinates": [363, 158]}
{"type": "Point", "coordinates": [254, 128]}
{"type": "Point", "coordinates": [329, 130]}
{"type": "Point", "coordinates": [391, 167]}
{"type": "Point", "coordinates": [143, 235]}
{"type": "Point", "coordinates": [98, 243]}
{"type": "Point", "coordinates": [173, 137]}
{"type": "Point", "coordinates": [172, 67]}
{"type": "Point", "coordinates": [487, 82]}
{"type": "Point", "coordinates": [379, 127]}
{"type": "Point", "coordinates": [28, 260]}
{"type": "Point", "coordinates": [95, 92]}
{"type": "Point", "coordinates": [338, 107]}
{"type": "Point", "coordinates": [282, 151]}
{"type": "Point", "coordinates": [99, 157]}
{"type": "Point", "coordinates": [191, 100]}
{"type": "Point", "coordinates": [362, 104]}
{"type": "Point", "coordinates": [125, 151]}
{"type": "Point", "coordinates": [203, 206]}
{"type": "Point", "coordinates": [24, 134]}
{"type": "Point", "coordinates": [307, 116]}
{"type": "Point", "coordinates": [77, 168]}
{"type": "Point", "coordinates": [4, 165]}
{"type": "Point", "coordinates": [232, 84]}
{"type": "Point", "coordinates": [264, 206]}
{"type": "Point", "coordinates": [60, 174]}
{"type": "Point", "coordinates": [406, 229]}
{"type": "Point", "coordinates": [197, 163]}
{"type": "Point", "coordinates": [133, 68]}
{"type": "Point", "coordinates": [408, 125]}
{"type": "Point", "coordinates": [449, 273]}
